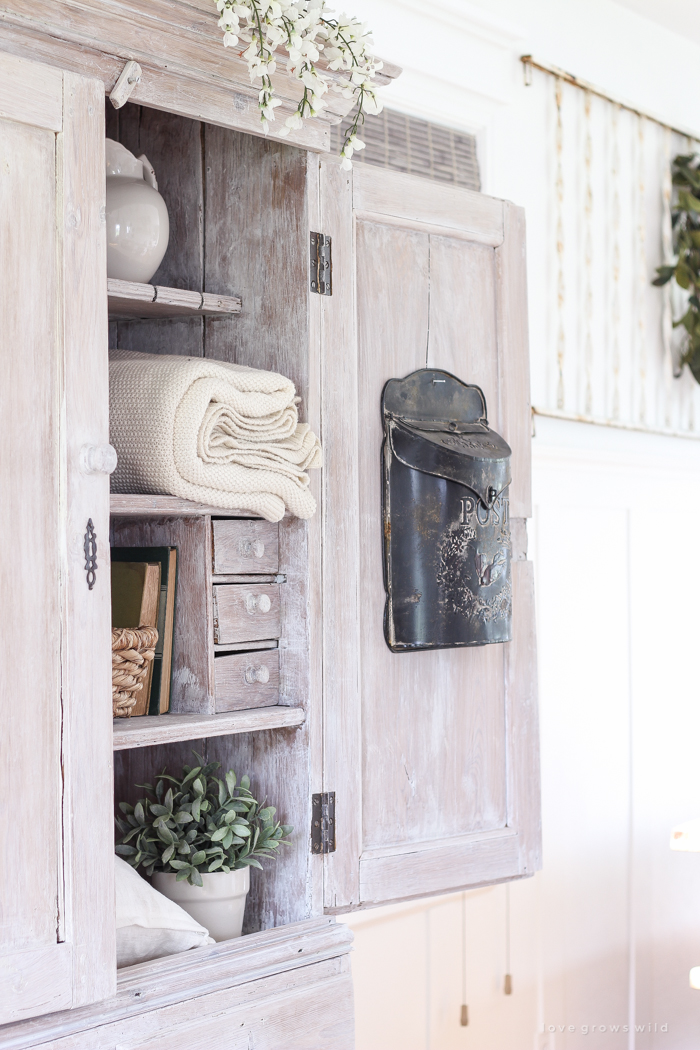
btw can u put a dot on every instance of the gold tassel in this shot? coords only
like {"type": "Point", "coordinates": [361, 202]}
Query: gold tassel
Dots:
{"type": "Point", "coordinates": [464, 1016]}
{"type": "Point", "coordinates": [508, 985]}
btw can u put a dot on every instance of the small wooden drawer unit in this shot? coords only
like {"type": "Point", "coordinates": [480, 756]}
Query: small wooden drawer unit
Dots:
{"type": "Point", "coordinates": [245, 680]}
{"type": "Point", "coordinates": [245, 546]}
{"type": "Point", "coordinates": [246, 612]}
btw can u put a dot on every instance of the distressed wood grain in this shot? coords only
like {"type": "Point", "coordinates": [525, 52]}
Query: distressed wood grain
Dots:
{"type": "Point", "coordinates": [141, 302]}
{"type": "Point", "coordinates": [237, 975]}
{"type": "Point", "coordinates": [392, 195]}
{"type": "Point", "coordinates": [174, 147]}
{"type": "Point", "coordinates": [139, 506]}
{"type": "Point", "coordinates": [35, 982]}
{"type": "Point", "coordinates": [418, 705]}
{"type": "Point", "coordinates": [87, 621]}
{"type": "Point", "coordinates": [523, 721]}
{"type": "Point", "coordinates": [513, 356]}
{"type": "Point", "coordinates": [246, 680]}
{"type": "Point", "coordinates": [31, 344]}
{"type": "Point", "coordinates": [192, 690]}
{"type": "Point", "coordinates": [246, 613]}
{"type": "Point", "coordinates": [258, 189]}
{"type": "Point", "coordinates": [250, 546]}
{"type": "Point", "coordinates": [340, 514]}
{"type": "Point", "coordinates": [184, 70]}
{"type": "Point", "coordinates": [167, 729]}
{"type": "Point", "coordinates": [438, 867]}
{"type": "Point", "coordinates": [429, 292]}
{"type": "Point", "coordinates": [30, 93]}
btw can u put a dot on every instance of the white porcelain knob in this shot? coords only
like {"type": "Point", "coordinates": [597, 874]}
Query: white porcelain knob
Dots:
{"type": "Point", "coordinates": [98, 459]}
{"type": "Point", "coordinates": [257, 603]}
{"type": "Point", "coordinates": [256, 548]}
{"type": "Point", "coordinates": [257, 674]}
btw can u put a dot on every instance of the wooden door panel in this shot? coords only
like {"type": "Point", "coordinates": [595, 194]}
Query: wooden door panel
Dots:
{"type": "Point", "coordinates": [418, 705]}
{"type": "Point", "coordinates": [445, 793]}
{"type": "Point", "coordinates": [434, 743]}
{"type": "Point", "coordinates": [30, 703]}
{"type": "Point", "coordinates": [56, 869]}
{"type": "Point", "coordinates": [463, 315]}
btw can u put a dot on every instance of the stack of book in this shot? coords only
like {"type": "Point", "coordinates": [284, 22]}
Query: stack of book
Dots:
{"type": "Point", "coordinates": [144, 581]}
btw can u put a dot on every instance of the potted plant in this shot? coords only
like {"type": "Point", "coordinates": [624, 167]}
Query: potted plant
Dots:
{"type": "Point", "coordinates": [198, 837]}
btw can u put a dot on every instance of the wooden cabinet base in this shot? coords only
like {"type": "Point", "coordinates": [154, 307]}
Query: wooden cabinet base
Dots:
{"type": "Point", "coordinates": [284, 989]}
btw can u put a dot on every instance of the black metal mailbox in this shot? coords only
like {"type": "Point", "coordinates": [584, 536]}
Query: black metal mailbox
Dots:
{"type": "Point", "coordinates": [445, 516]}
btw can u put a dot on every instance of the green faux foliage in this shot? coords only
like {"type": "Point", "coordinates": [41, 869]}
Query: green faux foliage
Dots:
{"type": "Point", "coordinates": [198, 824]}
{"type": "Point", "coordinates": [685, 216]}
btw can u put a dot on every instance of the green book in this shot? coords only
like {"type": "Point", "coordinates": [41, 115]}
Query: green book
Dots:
{"type": "Point", "coordinates": [163, 661]}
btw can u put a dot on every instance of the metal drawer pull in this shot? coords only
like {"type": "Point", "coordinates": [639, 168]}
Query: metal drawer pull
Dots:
{"type": "Point", "coordinates": [254, 604]}
{"type": "Point", "coordinates": [251, 548]}
{"type": "Point", "coordinates": [257, 674]}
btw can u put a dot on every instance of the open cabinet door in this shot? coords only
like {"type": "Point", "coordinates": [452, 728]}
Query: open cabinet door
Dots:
{"type": "Point", "coordinates": [56, 840]}
{"type": "Point", "coordinates": [432, 756]}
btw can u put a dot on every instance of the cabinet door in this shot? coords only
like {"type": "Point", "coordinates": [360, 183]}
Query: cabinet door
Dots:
{"type": "Point", "coordinates": [56, 840]}
{"type": "Point", "coordinates": [433, 756]}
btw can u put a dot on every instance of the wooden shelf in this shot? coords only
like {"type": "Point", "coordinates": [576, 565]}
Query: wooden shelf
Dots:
{"type": "Point", "coordinates": [166, 729]}
{"type": "Point", "coordinates": [129, 301]}
{"type": "Point", "coordinates": [135, 505]}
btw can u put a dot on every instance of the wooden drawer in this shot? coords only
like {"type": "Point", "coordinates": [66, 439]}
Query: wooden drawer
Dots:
{"type": "Point", "coordinates": [245, 680]}
{"type": "Point", "coordinates": [244, 546]}
{"type": "Point", "coordinates": [246, 612]}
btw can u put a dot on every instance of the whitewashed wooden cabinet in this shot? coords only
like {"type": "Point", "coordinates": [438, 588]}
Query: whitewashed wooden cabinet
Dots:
{"type": "Point", "coordinates": [431, 757]}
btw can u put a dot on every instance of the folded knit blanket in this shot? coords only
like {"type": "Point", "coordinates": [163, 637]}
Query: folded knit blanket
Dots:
{"type": "Point", "coordinates": [216, 433]}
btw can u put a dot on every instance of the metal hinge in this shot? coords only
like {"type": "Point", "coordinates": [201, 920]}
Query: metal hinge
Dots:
{"type": "Point", "coordinates": [323, 822]}
{"type": "Point", "coordinates": [321, 264]}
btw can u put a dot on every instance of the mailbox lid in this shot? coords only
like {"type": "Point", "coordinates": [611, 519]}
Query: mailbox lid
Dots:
{"type": "Point", "coordinates": [437, 424]}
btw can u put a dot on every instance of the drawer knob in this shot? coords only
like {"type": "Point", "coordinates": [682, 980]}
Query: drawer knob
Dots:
{"type": "Point", "coordinates": [257, 603]}
{"type": "Point", "coordinates": [251, 548]}
{"type": "Point", "coordinates": [257, 674]}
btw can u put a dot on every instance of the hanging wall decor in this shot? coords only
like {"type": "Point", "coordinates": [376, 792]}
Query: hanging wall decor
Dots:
{"type": "Point", "coordinates": [685, 270]}
{"type": "Point", "coordinates": [445, 516]}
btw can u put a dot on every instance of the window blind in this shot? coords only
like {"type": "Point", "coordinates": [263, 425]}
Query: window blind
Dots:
{"type": "Point", "coordinates": [418, 147]}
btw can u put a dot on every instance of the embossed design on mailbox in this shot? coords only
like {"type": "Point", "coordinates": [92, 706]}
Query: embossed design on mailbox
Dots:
{"type": "Point", "coordinates": [445, 515]}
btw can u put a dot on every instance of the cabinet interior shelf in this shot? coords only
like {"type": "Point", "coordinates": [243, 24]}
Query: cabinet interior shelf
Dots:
{"type": "Point", "coordinates": [135, 505]}
{"type": "Point", "coordinates": [129, 301]}
{"type": "Point", "coordinates": [167, 729]}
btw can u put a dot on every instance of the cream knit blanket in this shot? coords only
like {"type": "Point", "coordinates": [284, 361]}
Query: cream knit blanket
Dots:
{"type": "Point", "coordinates": [221, 434]}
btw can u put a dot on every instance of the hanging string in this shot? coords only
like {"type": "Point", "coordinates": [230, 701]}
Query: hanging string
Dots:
{"type": "Point", "coordinates": [508, 981]}
{"type": "Point", "coordinates": [464, 1013]}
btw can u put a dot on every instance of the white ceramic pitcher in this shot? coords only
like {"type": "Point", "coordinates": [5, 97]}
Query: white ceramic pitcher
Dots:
{"type": "Point", "coordinates": [138, 228]}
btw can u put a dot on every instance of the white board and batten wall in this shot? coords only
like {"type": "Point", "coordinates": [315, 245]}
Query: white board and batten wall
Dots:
{"type": "Point", "coordinates": [433, 757]}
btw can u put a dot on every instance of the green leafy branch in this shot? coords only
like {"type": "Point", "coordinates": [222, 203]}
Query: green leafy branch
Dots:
{"type": "Point", "coordinates": [198, 823]}
{"type": "Point", "coordinates": [685, 219]}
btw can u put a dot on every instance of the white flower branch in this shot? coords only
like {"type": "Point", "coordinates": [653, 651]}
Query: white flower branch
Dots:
{"type": "Point", "coordinates": [305, 29]}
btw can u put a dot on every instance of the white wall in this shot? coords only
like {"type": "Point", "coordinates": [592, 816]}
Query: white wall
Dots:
{"type": "Point", "coordinates": [609, 929]}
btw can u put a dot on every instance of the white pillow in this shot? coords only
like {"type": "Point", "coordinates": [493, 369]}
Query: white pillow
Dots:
{"type": "Point", "coordinates": [148, 924]}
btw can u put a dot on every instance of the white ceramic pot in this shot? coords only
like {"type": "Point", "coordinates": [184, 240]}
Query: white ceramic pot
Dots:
{"type": "Point", "coordinates": [138, 228]}
{"type": "Point", "coordinates": [218, 904]}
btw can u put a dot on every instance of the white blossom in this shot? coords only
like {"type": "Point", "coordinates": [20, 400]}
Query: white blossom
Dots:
{"type": "Point", "coordinates": [306, 30]}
